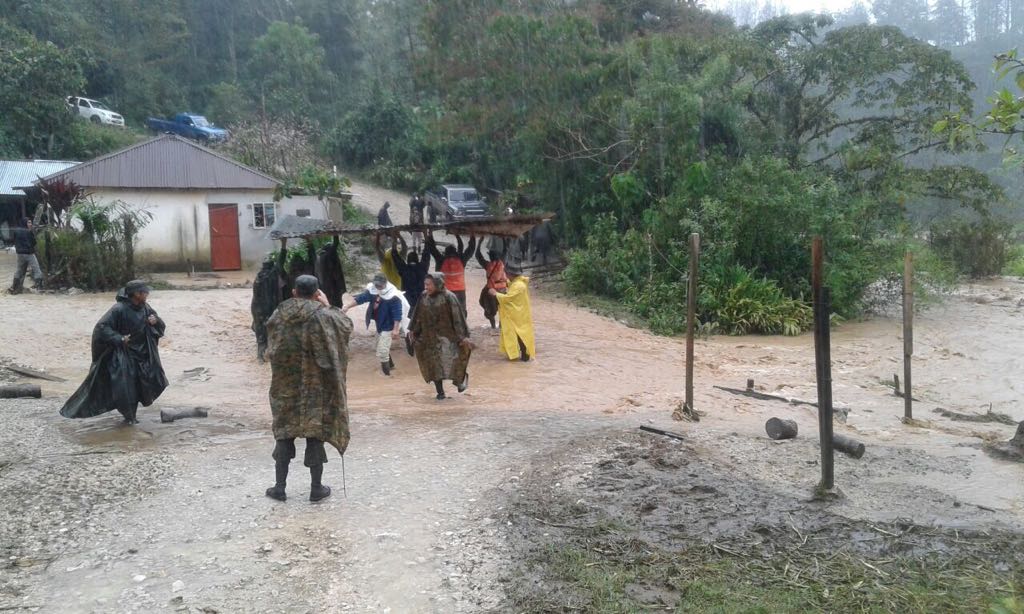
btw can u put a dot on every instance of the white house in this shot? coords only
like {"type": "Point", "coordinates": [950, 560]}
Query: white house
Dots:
{"type": "Point", "coordinates": [208, 210]}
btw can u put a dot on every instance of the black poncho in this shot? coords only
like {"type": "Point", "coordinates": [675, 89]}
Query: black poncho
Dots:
{"type": "Point", "coordinates": [266, 295]}
{"type": "Point", "coordinates": [330, 273]}
{"type": "Point", "coordinates": [122, 375]}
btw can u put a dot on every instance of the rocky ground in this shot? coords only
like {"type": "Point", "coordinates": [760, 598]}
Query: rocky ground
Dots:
{"type": "Point", "coordinates": [534, 491]}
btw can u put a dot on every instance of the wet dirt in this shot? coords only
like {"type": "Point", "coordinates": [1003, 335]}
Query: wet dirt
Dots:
{"type": "Point", "coordinates": [90, 507]}
{"type": "Point", "coordinates": [660, 517]}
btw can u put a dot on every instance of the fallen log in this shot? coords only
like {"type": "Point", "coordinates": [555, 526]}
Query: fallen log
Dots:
{"type": "Point", "coordinates": [170, 415]}
{"type": "Point", "coordinates": [21, 391]}
{"type": "Point", "coordinates": [33, 373]}
{"type": "Point", "coordinates": [839, 411]}
{"type": "Point", "coordinates": [848, 445]}
{"type": "Point", "coordinates": [777, 428]}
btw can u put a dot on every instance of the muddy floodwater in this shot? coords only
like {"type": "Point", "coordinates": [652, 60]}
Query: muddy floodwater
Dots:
{"type": "Point", "coordinates": [98, 517]}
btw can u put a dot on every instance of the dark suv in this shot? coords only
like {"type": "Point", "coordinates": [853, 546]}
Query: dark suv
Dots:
{"type": "Point", "coordinates": [456, 202]}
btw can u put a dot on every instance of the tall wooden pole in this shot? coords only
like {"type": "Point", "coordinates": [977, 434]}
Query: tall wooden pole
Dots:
{"type": "Point", "coordinates": [823, 362]}
{"type": "Point", "coordinates": [691, 314]}
{"type": "Point", "coordinates": [908, 333]}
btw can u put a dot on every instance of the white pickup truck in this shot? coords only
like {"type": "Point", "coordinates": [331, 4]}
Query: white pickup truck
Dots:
{"type": "Point", "coordinates": [94, 111]}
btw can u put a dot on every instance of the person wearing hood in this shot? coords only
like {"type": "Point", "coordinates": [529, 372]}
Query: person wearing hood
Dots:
{"type": "Point", "coordinates": [126, 368]}
{"type": "Point", "coordinates": [517, 338]}
{"type": "Point", "coordinates": [307, 345]}
{"type": "Point", "coordinates": [385, 310]}
{"type": "Point", "coordinates": [384, 216]}
{"type": "Point", "coordinates": [440, 336]}
{"type": "Point", "coordinates": [453, 264]}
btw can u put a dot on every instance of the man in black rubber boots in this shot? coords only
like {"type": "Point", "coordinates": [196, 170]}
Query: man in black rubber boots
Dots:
{"type": "Point", "coordinates": [307, 345]}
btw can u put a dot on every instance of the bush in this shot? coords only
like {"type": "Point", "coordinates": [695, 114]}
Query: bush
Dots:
{"type": "Point", "coordinates": [96, 252]}
{"type": "Point", "coordinates": [86, 140]}
{"type": "Point", "coordinates": [740, 303]}
{"type": "Point", "coordinates": [1014, 261]}
{"type": "Point", "coordinates": [974, 248]}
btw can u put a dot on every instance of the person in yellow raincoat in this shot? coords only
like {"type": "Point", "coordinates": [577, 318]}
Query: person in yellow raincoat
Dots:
{"type": "Point", "coordinates": [387, 260]}
{"type": "Point", "coordinates": [517, 341]}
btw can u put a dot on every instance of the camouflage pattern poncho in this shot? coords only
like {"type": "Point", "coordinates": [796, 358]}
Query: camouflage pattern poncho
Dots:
{"type": "Point", "coordinates": [440, 326]}
{"type": "Point", "coordinates": [308, 352]}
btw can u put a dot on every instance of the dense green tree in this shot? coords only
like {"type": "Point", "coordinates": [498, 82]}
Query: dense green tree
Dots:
{"type": "Point", "coordinates": [287, 74]}
{"type": "Point", "coordinates": [35, 77]}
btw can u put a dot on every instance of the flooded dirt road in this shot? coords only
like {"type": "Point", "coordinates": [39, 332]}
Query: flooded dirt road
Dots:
{"type": "Point", "coordinates": [171, 517]}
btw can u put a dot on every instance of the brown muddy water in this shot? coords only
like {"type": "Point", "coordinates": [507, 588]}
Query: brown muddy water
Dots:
{"type": "Point", "coordinates": [171, 517]}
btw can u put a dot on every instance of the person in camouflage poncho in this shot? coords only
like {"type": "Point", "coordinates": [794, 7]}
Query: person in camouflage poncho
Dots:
{"type": "Point", "coordinates": [441, 337]}
{"type": "Point", "coordinates": [307, 344]}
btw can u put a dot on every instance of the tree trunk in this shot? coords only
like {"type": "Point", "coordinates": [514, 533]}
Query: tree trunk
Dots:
{"type": "Point", "coordinates": [847, 445]}
{"type": "Point", "coordinates": [777, 428]}
{"type": "Point", "coordinates": [21, 391]}
{"type": "Point", "coordinates": [170, 415]}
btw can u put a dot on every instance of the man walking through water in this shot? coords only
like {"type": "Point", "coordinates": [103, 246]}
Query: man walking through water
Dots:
{"type": "Point", "coordinates": [441, 337]}
{"type": "Point", "coordinates": [126, 368]}
{"type": "Point", "coordinates": [517, 339]}
{"type": "Point", "coordinates": [307, 345]}
{"type": "Point", "coordinates": [25, 247]}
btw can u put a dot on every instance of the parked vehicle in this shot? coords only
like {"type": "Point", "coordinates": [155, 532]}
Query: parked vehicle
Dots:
{"type": "Point", "coordinates": [94, 111]}
{"type": "Point", "coordinates": [456, 202]}
{"type": "Point", "coordinates": [190, 126]}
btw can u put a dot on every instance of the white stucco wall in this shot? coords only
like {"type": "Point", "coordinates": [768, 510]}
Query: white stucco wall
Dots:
{"type": "Point", "coordinates": [179, 232]}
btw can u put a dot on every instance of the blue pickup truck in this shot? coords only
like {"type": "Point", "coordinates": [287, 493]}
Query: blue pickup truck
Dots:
{"type": "Point", "coordinates": [190, 126]}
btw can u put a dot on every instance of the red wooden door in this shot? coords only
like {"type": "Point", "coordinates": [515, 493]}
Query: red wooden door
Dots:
{"type": "Point", "coordinates": [225, 251]}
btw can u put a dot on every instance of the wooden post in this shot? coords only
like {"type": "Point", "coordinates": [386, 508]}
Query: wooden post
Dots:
{"type": "Point", "coordinates": [823, 362]}
{"type": "Point", "coordinates": [691, 314]}
{"type": "Point", "coordinates": [908, 333]}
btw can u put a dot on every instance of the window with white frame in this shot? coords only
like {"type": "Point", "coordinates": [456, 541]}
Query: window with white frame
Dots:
{"type": "Point", "coordinates": [264, 215]}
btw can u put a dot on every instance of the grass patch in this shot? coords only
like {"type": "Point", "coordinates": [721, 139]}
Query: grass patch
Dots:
{"type": "Point", "coordinates": [610, 578]}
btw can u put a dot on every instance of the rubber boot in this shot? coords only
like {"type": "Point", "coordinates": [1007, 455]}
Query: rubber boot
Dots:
{"type": "Point", "coordinates": [439, 385]}
{"type": "Point", "coordinates": [281, 478]}
{"type": "Point", "coordinates": [317, 491]}
{"type": "Point", "coordinates": [391, 362]}
{"type": "Point", "coordinates": [491, 320]}
{"type": "Point", "coordinates": [261, 350]}
{"type": "Point", "coordinates": [523, 356]}
{"type": "Point", "coordinates": [385, 368]}
{"type": "Point", "coordinates": [465, 384]}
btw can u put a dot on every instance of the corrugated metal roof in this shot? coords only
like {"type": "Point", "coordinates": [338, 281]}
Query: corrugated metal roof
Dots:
{"type": "Point", "coordinates": [21, 173]}
{"type": "Point", "coordinates": [167, 162]}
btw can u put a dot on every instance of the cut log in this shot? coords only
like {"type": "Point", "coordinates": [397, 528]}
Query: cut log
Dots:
{"type": "Point", "coordinates": [847, 445]}
{"type": "Point", "coordinates": [21, 391]}
{"type": "Point", "coordinates": [777, 428]}
{"type": "Point", "coordinates": [170, 415]}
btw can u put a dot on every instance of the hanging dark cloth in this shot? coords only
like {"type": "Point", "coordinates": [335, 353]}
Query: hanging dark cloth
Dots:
{"type": "Point", "coordinates": [122, 375]}
{"type": "Point", "coordinates": [266, 295]}
{"type": "Point", "coordinates": [331, 273]}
